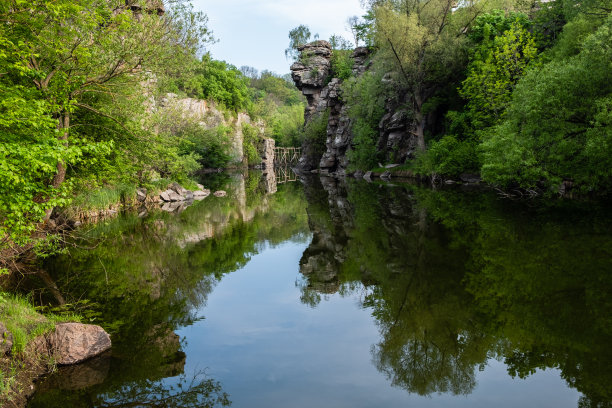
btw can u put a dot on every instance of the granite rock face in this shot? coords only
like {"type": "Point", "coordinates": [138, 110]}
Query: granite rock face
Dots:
{"type": "Point", "coordinates": [72, 343]}
{"type": "Point", "coordinates": [311, 75]}
{"type": "Point", "coordinates": [266, 152]}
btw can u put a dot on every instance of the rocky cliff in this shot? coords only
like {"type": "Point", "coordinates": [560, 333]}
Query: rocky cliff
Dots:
{"type": "Point", "coordinates": [311, 74]}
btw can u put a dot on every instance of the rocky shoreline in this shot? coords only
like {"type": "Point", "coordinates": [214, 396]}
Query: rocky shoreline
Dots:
{"type": "Point", "coordinates": [66, 345]}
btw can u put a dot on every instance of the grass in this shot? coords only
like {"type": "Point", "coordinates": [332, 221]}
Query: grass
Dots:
{"type": "Point", "coordinates": [7, 381]}
{"type": "Point", "coordinates": [111, 196]}
{"type": "Point", "coordinates": [24, 322]}
{"type": "Point", "coordinates": [102, 198]}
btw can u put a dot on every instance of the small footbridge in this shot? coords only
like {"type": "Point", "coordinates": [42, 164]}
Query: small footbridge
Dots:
{"type": "Point", "coordinates": [286, 156]}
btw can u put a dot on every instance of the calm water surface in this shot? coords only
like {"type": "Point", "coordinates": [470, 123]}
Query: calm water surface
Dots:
{"type": "Point", "coordinates": [328, 293]}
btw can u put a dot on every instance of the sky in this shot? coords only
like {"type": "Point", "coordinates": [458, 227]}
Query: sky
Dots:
{"type": "Point", "coordinates": [255, 32]}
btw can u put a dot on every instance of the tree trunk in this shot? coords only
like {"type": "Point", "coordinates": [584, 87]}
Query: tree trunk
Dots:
{"type": "Point", "coordinates": [419, 119]}
{"type": "Point", "coordinates": [60, 175]}
{"type": "Point", "coordinates": [63, 126]}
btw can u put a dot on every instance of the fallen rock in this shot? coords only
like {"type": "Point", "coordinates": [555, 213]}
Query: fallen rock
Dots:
{"type": "Point", "coordinates": [386, 175]}
{"type": "Point", "coordinates": [220, 193]}
{"type": "Point", "coordinates": [178, 189]}
{"type": "Point", "coordinates": [201, 194]}
{"type": "Point", "coordinates": [201, 187]}
{"type": "Point", "coordinates": [171, 196]}
{"type": "Point", "coordinates": [358, 174]}
{"type": "Point", "coordinates": [141, 194]}
{"type": "Point", "coordinates": [368, 176]}
{"type": "Point", "coordinates": [165, 196]}
{"type": "Point", "coordinates": [72, 343]}
{"type": "Point", "coordinates": [6, 340]}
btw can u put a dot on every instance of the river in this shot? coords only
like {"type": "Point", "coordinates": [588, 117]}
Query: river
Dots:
{"type": "Point", "coordinates": [317, 292]}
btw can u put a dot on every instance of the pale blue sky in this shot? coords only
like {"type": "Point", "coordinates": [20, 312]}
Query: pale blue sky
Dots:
{"type": "Point", "coordinates": [254, 32]}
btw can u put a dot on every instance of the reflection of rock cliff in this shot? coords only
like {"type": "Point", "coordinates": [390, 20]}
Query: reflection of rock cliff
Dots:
{"type": "Point", "coordinates": [454, 280]}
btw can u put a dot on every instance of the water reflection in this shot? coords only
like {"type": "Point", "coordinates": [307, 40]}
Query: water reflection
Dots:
{"type": "Point", "coordinates": [142, 278]}
{"type": "Point", "coordinates": [452, 280]}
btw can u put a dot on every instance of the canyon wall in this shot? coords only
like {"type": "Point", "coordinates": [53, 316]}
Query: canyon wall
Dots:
{"type": "Point", "coordinates": [312, 75]}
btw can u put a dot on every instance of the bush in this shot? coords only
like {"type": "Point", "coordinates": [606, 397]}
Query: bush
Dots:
{"type": "Point", "coordinates": [342, 64]}
{"type": "Point", "coordinates": [449, 157]}
{"type": "Point", "coordinates": [315, 131]}
{"type": "Point", "coordinates": [365, 97]}
{"type": "Point", "coordinates": [559, 124]}
{"type": "Point", "coordinates": [251, 138]}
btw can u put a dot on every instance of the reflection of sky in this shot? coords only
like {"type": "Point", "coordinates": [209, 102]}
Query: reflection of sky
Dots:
{"type": "Point", "coordinates": [269, 350]}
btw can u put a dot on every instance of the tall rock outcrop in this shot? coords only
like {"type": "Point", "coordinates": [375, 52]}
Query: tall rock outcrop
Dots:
{"type": "Point", "coordinates": [311, 74]}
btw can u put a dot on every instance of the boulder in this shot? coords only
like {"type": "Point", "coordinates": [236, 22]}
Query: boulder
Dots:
{"type": "Point", "coordinates": [201, 194]}
{"type": "Point", "coordinates": [165, 196]}
{"type": "Point", "coordinates": [177, 188]}
{"type": "Point", "coordinates": [6, 340]}
{"type": "Point", "coordinates": [368, 176]}
{"type": "Point", "coordinates": [220, 193]}
{"type": "Point", "coordinates": [386, 175]}
{"type": "Point", "coordinates": [72, 343]}
{"type": "Point", "coordinates": [171, 196]}
{"type": "Point", "coordinates": [141, 194]}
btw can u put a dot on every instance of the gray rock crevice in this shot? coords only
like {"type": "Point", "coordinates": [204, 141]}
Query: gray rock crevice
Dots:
{"type": "Point", "coordinates": [311, 74]}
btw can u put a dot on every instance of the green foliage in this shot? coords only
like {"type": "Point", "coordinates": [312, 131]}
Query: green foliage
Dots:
{"type": "Point", "coordinates": [365, 97]}
{"type": "Point", "coordinates": [449, 156]}
{"type": "Point", "coordinates": [499, 62]}
{"type": "Point", "coordinates": [341, 64]}
{"type": "Point", "coordinates": [315, 131]}
{"type": "Point", "coordinates": [281, 107]}
{"type": "Point", "coordinates": [297, 37]}
{"type": "Point", "coordinates": [487, 27]}
{"type": "Point", "coordinates": [72, 98]}
{"type": "Point", "coordinates": [364, 29]}
{"type": "Point", "coordinates": [24, 322]}
{"type": "Point", "coordinates": [213, 80]}
{"type": "Point", "coordinates": [558, 125]}
{"type": "Point", "coordinates": [250, 142]}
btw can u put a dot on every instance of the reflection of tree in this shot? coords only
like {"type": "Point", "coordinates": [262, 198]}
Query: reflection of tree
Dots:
{"type": "Point", "coordinates": [143, 278]}
{"type": "Point", "coordinates": [382, 240]}
{"type": "Point", "coordinates": [200, 392]}
{"type": "Point", "coordinates": [457, 278]}
{"type": "Point", "coordinates": [545, 281]}
{"type": "Point", "coordinates": [179, 392]}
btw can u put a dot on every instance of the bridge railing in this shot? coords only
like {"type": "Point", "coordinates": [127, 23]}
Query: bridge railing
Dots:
{"type": "Point", "coordinates": [284, 156]}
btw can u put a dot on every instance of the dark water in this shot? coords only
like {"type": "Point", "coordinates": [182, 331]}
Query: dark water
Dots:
{"type": "Point", "coordinates": [343, 294]}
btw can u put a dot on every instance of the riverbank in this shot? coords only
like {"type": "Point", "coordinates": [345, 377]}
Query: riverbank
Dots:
{"type": "Point", "coordinates": [32, 344]}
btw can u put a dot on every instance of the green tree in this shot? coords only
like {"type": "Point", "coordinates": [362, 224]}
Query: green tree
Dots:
{"type": "Point", "coordinates": [497, 66]}
{"type": "Point", "coordinates": [65, 59]}
{"type": "Point", "coordinates": [422, 42]}
{"type": "Point", "coordinates": [300, 35]}
{"type": "Point", "coordinates": [559, 125]}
